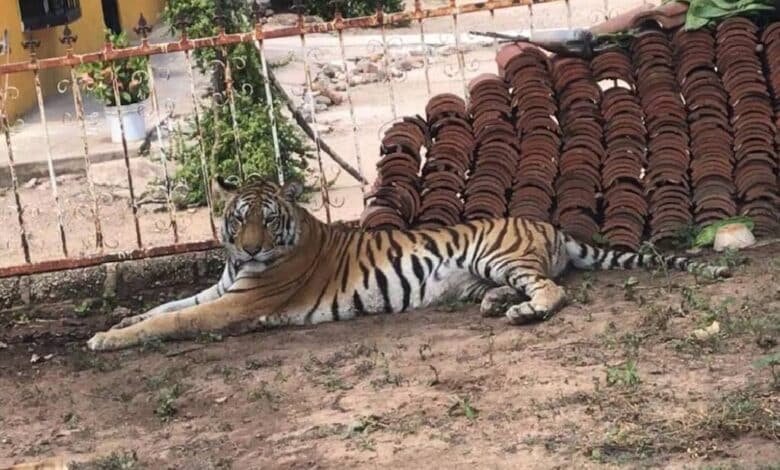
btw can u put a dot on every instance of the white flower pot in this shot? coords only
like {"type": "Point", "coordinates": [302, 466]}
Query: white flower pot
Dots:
{"type": "Point", "coordinates": [133, 121]}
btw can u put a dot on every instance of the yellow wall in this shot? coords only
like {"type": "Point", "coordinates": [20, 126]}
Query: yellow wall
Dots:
{"type": "Point", "coordinates": [89, 29]}
{"type": "Point", "coordinates": [10, 21]}
{"type": "Point", "coordinates": [130, 11]}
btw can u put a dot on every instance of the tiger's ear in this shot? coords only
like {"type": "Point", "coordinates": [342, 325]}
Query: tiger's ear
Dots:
{"type": "Point", "coordinates": [222, 187]}
{"type": "Point", "coordinates": [221, 192]}
{"type": "Point", "coordinates": [292, 190]}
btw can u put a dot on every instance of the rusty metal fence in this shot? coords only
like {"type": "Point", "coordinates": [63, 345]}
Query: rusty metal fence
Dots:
{"type": "Point", "coordinates": [84, 225]}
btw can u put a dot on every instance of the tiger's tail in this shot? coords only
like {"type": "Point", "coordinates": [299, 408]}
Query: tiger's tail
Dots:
{"type": "Point", "coordinates": [585, 256]}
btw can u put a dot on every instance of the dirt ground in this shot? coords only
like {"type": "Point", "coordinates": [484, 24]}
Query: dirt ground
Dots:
{"type": "Point", "coordinates": [616, 379]}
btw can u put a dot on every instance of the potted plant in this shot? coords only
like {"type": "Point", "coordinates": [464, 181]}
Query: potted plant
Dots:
{"type": "Point", "coordinates": [133, 84]}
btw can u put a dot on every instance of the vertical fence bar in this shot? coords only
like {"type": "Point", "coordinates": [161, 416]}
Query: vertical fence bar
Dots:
{"type": "Point", "coordinates": [338, 20]}
{"type": "Point", "coordinates": [426, 63]}
{"type": "Point", "coordinates": [125, 153]}
{"type": "Point", "coordinates": [228, 79]}
{"type": "Point", "coordinates": [307, 72]}
{"type": "Point", "coordinates": [32, 45]}
{"type": "Point", "coordinates": [380, 17]}
{"type": "Point", "coordinates": [78, 104]}
{"type": "Point", "coordinates": [259, 13]}
{"type": "Point", "coordinates": [458, 50]}
{"type": "Point", "coordinates": [495, 27]}
{"type": "Point", "coordinates": [6, 127]}
{"type": "Point", "coordinates": [568, 15]}
{"type": "Point", "coordinates": [232, 108]}
{"type": "Point", "coordinates": [182, 23]}
{"type": "Point", "coordinates": [143, 29]}
{"type": "Point", "coordinates": [530, 20]}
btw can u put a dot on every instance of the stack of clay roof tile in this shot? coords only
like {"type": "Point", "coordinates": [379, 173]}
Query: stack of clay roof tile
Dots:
{"type": "Point", "coordinates": [447, 161]}
{"type": "Point", "coordinates": [625, 207]}
{"type": "Point", "coordinates": [709, 128]}
{"type": "Point", "coordinates": [771, 42]}
{"type": "Point", "coordinates": [495, 154]}
{"type": "Point", "coordinates": [527, 71]}
{"type": "Point", "coordinates": [666, 182]}
{"type": "Point", "coordinates": [754, 130]}
{"type": "Point", "coordinates": [394, 202]}
{"type": "Point", "coordinates": [579, 181]}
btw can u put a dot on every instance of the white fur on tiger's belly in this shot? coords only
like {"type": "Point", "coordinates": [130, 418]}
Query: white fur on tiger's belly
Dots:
{"type": "Point", "coordinates": [446, 283]}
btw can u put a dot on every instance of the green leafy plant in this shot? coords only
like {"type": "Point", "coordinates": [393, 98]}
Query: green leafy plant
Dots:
{"type": "Point", "coordinates": [624, 375]}
{"type": "Point", "coordinates": [256, 149]}
{"type": "Point", "coordinates": [132, 82]}
{"type": "Point", "coordinates": [703, 13]}
{"type": "Point", "coordinates": [325, 9]}
{"type": "Point", "coordinates": [772, 362]}
{"type": "Point", "coordinates": [251, 142]}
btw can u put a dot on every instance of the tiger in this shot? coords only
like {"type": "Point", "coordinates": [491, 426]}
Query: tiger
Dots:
{"type": "Point", "coordinates": [286, 267]}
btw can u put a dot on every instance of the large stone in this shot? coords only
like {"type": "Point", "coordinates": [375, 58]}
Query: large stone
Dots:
{"type": "Point", "coordinates": [733, 236]}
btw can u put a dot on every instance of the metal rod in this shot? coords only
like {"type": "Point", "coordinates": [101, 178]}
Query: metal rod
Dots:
{"type": "Point", "coordinates": [32, 45]}
{"type": "Point", "coordinates": [418, 11]}
{"type": "Point", "coordinates": [78, 104]}
{"type": "Point", "coordinates": [68, 38]}
{"type": "Point", "coordinates": [161, 148]}
{"type": "Point", "coordinates": [269, 99]}
{"type": "Point", "coordinates": [4, 124]}
{"type": "Point", "coordinates": [352, 116]}
{"type": "Point", "coordinates": [310, 91]}
{"type": "Point", "coordinates": [234, 38]}
{"type": "Point", "coordinates": [125, 153]}
{"type": "Point", "coordinates": [232, 107]}
{"type": "Point", "coordinates": [386, 60]}
{"type": "Point", "coordinates": [199, 130]}
{"type": "Point", "coordinates": [458, 50]}
{"type": "Point", "coordinates": [140, 253]}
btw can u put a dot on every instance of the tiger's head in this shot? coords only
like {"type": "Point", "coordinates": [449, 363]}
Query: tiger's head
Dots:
{"type": "Point", "coordinates": [260, 219]}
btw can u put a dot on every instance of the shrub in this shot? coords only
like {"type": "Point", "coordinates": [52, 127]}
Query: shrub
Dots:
{"type": "Point", "coordinates": [349, 8]}
{"type": "Point", "coordinates": [256, 149]}
{"type": "Point", "coordinates": [132, 81]}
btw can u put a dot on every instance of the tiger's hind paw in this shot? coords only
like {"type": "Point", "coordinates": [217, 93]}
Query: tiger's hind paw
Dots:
{"type": "Point", "coordinates": [497, 300]}
{"type": "Point", "coordinates": [525, 313]}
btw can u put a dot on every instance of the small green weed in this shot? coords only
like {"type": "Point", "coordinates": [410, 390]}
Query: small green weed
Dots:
{"type": "Point", "coordinates": [772, 362]}
{"type": "Point", "coordinates": [461, 406]}
{"type": "Point", "coordinates": [624, 375]}
{"type": "Point", "coordinates": [166, 398]}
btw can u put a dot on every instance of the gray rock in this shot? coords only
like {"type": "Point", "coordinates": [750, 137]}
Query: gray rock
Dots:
{"type": "Point", "coordinates": [323, 100]}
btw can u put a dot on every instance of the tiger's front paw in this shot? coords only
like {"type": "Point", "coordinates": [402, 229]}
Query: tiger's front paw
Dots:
{"type": "Point", "coordinates": [104, 341]}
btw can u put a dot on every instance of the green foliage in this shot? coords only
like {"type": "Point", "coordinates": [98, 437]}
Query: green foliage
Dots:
{"type": "Point", "coordinates": [703, 13]}
{"type": "Point", "coordinates": [772, 362]}
{"type": "Point", "coordinates": [349, 8]}
{"type": "Point", "coordinates": [166, 402]}
{"type": "Point", "coordinates": [625, 375]}
{"type": "Point", "coordinates": [254, 145]}
{"type": "Point", "coordinates": [132, 81]}
{"type": "Point", "coordinates": [256, 150]}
